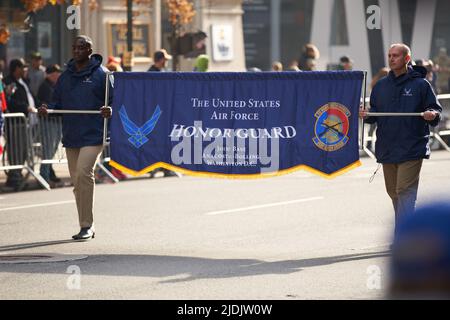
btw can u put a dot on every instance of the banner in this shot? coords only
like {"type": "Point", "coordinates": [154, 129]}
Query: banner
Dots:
{"type": "Point", "coordinates": [237, 125]}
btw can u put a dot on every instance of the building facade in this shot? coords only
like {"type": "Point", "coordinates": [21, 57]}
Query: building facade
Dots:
{"type": "Point", "coordinates": [152, 30]}
{"type": "Point", "coordinates": [44, 31]}
{"type": "Point", "coordinates": [106, 24]}
{"type": "Point", "coordinates": [277, 30]}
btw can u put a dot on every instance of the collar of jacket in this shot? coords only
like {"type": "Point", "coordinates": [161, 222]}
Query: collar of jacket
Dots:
{"type": "Point", "coordinates": [95, 61]}
{"type": "Point", "coordinates": [413, 72]}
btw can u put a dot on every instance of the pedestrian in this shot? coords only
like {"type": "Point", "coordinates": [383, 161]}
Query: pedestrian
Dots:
{"type": "Point", "coordinates": [293, 66]}
{"type": "Point", "coordinates": [383, 72]}
{"type": "Point", "coordinates": [201, 63]}
{"type": "Point", "coordinates": [36, 73]}
{"type": "Point", "coordinates": [82, 87]}
{"type": "Point", "coordinates": [403, 142]}
{"type": "Point", "coordinates": [442, 61]}
{"type": "Point", "coordinates": [50, 129]}
{"type": "Point", "coordinates": [345, 63]}
{"type": "Point", "coordinates": [19, 100]}
{"type": "Point", "coordinates": [160, 59]}
{"type": "Point", "coordinates": [309, 56]}
{"type": "Point", "coordinates": [277, 66]}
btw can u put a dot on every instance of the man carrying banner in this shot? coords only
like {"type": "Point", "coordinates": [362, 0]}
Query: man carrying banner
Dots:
{"type": "Point", "coordinates": [403, 141]}
{"type": "Point", "coordinates": [82, 87]}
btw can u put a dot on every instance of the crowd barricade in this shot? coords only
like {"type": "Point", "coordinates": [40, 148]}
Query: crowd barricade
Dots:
{"type": "Point", "coordinates": [35, 142]}
{"type": "Point", "coordinates": [104, 160]}
{"type": "Point", "coordinates": [47, 142]}
{"type": "Point", "coordinates": [18, 152]}
{"type": "Point", "coordinates": [438, 133]}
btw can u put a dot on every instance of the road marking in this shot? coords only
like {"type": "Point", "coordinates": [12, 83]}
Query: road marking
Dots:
{"type": "Point", "coordinates": [37, 205]}
{"type": "Point", "coordinates": [268, 205]}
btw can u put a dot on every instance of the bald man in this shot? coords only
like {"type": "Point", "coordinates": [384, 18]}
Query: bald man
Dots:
{"type": "Point", "coordinates": [403, 142]}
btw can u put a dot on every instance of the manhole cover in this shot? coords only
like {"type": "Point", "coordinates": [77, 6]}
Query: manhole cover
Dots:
{"type": "Point", "coordinates": [38, 258]}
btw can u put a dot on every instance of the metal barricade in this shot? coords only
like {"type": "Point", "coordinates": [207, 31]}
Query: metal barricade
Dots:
{"type": "Point", "coordinates": [48, 147]}
{"type": "Point", "coordinates": [104, 159]}
{"type": "Point", "coordinates": [437, 133]}
{"type": "Point", "coordinates": [18, 152]}
{"type": "Point", "coordinates": [443, 129]}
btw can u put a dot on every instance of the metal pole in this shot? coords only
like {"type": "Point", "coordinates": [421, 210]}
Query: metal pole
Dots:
{"type": "Point", "coordinates": [73, 111]}
{"type": "Point", "coordinates": [364, 107]}
{"type": "Point", "coordinates": [129, 33]}
{"type": "Point", "coordinates": [395, 114]}
{"type": "Point", "coordinates": [105, 121]}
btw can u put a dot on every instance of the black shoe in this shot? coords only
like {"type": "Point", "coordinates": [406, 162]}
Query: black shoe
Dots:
{"type": "Point", "coordinates": [55, 179]}
{"type": "Point", "coordinates": [168, 173]}
{"type": "Point", "coordinates": [85, 234]}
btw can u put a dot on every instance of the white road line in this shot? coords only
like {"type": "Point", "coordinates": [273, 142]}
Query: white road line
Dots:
{"type": "Point", "coordinates": [37, 205]}
{"type": "Point", "coordinates": [213, 213]}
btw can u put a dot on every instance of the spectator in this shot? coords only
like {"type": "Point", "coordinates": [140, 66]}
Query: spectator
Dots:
{"type": "Point", "coordinates": [383, 72]}
{"type": "Point", "coordinates": [403, 142]}
{"type": "Point", "coordinates": [277, 66]}
{"type": "Point", "coordinates": [293, 66]}
{"type": "Point", "coordinates": [20, 100]}
{"type": "Point", "coordinates": [442, 60]}
{"type": "Point", "coordinates": [2, 101]}
{"type": "Point", "coordinates": [4, 34]}
{"type": "Point", "coordinates": [114, 64]}
{"type": "Point", "coordinates": [345, 63]}
{"type": "Point", "coordinates": [36, 73]}
{"type": "Point", "coordinates": [420, 262]}
{"type": "Point", "coordinates": [80, 87]}
{"type": "Point", "coordinates": [431, 74]}
{"type": "Point", "coordinates": [3, 104]}
{"type": "Point", "coordinates": [201, 63]}
{"type": "Point", "coordinates": [308, 59]}
{"type": "Point", "coordinates": [311, 65]}
{"type": "Point", "coordinates": [50, 129]}
{"type": "Point", "coordinates": [160, 59]}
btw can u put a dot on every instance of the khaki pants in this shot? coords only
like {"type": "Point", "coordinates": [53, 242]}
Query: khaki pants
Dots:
{"type": "Point", "coordinates": [402, 182]}
{"type": "Point", "coordinates": [81, 168]}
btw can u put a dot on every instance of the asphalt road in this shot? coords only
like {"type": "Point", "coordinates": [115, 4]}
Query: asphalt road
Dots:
{"type": "Point", "coordinates": [297, 236]}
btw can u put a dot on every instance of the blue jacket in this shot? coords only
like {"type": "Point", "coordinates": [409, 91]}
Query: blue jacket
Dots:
{"type": "Point", "coordinates": [401, 139]}
{"type": "Point", "coordinates": [84, 90]}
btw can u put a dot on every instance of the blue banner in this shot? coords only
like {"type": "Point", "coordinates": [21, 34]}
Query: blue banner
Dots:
{"type": "Point", "coordinates": [244, 125]}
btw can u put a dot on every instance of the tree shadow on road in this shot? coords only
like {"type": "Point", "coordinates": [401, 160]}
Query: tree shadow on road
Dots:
{"type": "Point", "coordinates": [183, 269]}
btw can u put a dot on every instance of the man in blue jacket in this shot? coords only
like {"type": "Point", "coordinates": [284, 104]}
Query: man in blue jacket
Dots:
{"type": "Point", "coordinates": [82, 87]}
{"type": "Point", "coordinates": [403, 141]}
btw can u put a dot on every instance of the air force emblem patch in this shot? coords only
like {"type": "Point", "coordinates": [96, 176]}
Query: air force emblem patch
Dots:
{"type": "Point", "coordinates": [138, 134]}
{"type": "Point", "coordinates": [332, 126]}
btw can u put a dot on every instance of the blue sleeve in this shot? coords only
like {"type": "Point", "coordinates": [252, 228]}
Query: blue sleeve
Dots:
{"type": "Point", "coordinates": [111, 90]}
{"type": "Point", "coordinates": [432, 103]}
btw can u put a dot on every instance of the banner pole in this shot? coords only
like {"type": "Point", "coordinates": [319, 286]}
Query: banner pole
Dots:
{"type": "Point", "coordinates": [364, 107]}
{"type": "Point", "coordinates": [105, 120]}
{"type": "Point", "coordinates": [73, 111]}
{"type": "Point", "coordinates": [395, 114]}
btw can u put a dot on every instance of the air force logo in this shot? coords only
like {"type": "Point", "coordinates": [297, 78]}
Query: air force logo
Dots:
{"type": "Point", "coordinates": [138, 134]}
{"type": "Point", "coordinates": [407, 92]}
{"type": "Point", "coordinates": [332, 126]}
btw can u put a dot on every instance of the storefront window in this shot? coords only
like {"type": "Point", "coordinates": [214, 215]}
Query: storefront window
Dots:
{"type": "Point", "coordinates": [44, 31]}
